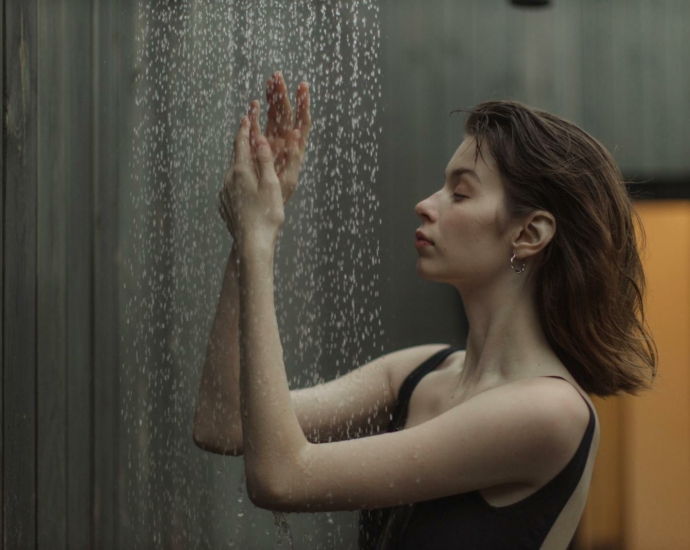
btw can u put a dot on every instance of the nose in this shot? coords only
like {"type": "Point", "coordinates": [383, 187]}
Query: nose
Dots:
{"type": "Point", "coordinates": [424, 209]}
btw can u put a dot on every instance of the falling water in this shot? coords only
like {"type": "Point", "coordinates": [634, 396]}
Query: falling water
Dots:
{"type": "Point", "coordinates": [198, 65]}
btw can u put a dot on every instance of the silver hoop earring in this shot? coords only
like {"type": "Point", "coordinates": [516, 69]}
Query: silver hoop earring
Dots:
{"type": "Point", "coordinates": [513, 265]}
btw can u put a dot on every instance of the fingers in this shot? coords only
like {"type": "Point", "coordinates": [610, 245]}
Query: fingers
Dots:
{"type": "Point", "coordinates": [294, 157]}
{"type": "Point", "coordinates": [254, 128]}
{"type": "Point", "coordinates": [271, 127]}
{"type": "Point", "coordinates": [264, 158]}
{"type": "Point", "coordinates": [261, 150]}
{"type": "Point", "coordinates": [303, 119]}
{"type": "Point", "coordinates": [288, 144]}
{"type": "Point", "coordinates": [242, 153]}
{"type": "Point", "coordinates": [285, 110]}
{"type": "Point", "coordinates": [279, 118]}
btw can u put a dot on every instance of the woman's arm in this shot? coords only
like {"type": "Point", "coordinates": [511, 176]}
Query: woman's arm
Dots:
{"type": "Point", "coordinates": [217, 423]}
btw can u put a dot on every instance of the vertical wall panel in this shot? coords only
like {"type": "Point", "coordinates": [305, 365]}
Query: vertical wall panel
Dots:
{"type": "Point", "coordinates": [568, 66]}
{"type": "Point", "coordinates": [651, 72]}
{"type": "Point", "coordinates": [657, 447]}
{"type": "Point", "coordinates": [134, 495]}
{"type": "Point", "coordinates": [536, 63]}
{"type": "Point", "coordinates": [602, 525]}
{"type": "Point", "coordinates": [676, 85]}
{"type": "Point", "coordinates": [489, 52]}
{"type": "Point", "coordinates": [78, 137]}
{"type": "Point", "coordinates": [627, 90]}
{"type": "Point", "coordinates": [105, 267]}
{"type": "Point", "coordinates": [421, 51]}
{"type": "Point", "coordinates": [51, 517]}
{"type": "Point", "coordinates": [19, 361]}
{"type": "Point", "coordinates": [3, 232]}
{"type": "Point", "coordinates": [530, 52]}
{"type": "Point", "coordinates": [597, 70]}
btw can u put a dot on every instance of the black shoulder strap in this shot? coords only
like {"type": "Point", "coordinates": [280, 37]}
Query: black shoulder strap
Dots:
{"type": "Point", "coordinates": [406, 388]}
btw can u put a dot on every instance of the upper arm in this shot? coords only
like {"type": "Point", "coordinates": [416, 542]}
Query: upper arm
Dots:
{"type": "Point", "coordinates": [360, 402]}
{"type": "Point", "coordinates": [504, 435]}
{"type": "Point", "coordinates": [357, 404]}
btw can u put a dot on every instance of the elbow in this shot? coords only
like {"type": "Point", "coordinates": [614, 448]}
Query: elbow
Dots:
{"type": "Point", "coordinates": [201, 442]}
{"type": "Point", "coordinates": [259, 497]}
{"type": "Point", "coordinates": [277, 489]}
{"type": "Point", "coordinates": [263, 496]}
{"type": "Point", "coordinates": [211, 446]}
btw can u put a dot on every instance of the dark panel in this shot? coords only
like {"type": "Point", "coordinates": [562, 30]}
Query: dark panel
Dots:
{"type": "Point", "coordinates": [427, 68]}
{"type": "Point", "coordinates": [598, 64]}
{"type": "Point", "coordinates": [78, 134]}
{"type": "Point", "coordinates": [51, 517]}
{"type": "Point", "coordinates": [530, 49]}
{"type": "Point", "coordinates": [676, 87]}
{"type": "Point", "coordinates": [2, 253]}
{"type": "Point", "coordinates": [490, 24]}
{"type": "Point", "coordinates": [660, 188]}
{"type": "Point", "coordinates": [628, 51]}
{"type": "Point", "coordinates": [19, 361]}
{"type": "Point", "coordinates": [105, 303]}
{"type": "Point", "coordinates": [568, 66]}
{"type": "Point", "coordinates": [653, 69]}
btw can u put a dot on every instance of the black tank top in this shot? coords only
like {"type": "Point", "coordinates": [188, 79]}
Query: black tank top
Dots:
{"type": "Point", "coordinates": [466, 521]}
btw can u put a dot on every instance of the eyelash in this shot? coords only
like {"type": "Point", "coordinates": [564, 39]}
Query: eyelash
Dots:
{"type": "Point", "coordinates": [458, 195]}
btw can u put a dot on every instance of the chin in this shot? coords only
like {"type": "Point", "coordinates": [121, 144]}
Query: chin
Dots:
{"type": "Point", "coordinates": [423, 274]}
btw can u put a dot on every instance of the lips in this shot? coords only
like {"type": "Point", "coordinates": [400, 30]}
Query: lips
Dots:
{"type": "Point", "coordinates": [422, 237]}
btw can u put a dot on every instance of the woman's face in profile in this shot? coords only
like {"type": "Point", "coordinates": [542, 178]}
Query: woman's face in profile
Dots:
{"type": "Point", "coordinates": [461, 221]}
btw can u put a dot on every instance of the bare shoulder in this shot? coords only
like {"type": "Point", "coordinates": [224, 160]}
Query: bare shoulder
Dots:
{"type": "Point", "coordinates": [564, 397]}
{"type": "Point", "coordinates": [564, 407]}
{"type": "Point", "coordinates": [402, 362]}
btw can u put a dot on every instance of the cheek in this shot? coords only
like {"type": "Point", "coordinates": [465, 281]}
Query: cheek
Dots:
{"type": "Point", "coordinates": [473, 221]}
{"type": "Point", "coordinates": [478, 228]}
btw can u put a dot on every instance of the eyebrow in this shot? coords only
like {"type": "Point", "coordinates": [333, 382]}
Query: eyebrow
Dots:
{"type": "Point", "coordinates": [458, 172]}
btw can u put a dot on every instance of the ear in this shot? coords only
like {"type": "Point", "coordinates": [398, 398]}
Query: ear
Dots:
{"type": "Point", "coordinates": [536, 231]}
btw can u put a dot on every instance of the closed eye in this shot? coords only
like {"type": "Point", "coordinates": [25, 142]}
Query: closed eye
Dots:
{"type": "Point", "coordinates": [458, 195]}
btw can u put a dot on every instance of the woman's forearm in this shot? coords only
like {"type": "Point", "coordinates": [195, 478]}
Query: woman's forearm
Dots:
{"type": "Point", "coordinates": [273, 436]}
{"type": "Point", "coordinates": [217, 422]}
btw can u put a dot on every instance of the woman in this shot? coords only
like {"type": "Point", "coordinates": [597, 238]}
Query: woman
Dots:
{"type": "Point", "coordinates": [495, 446]}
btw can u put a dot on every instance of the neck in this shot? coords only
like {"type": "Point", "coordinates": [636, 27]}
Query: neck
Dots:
{"type": "Point", "coordinates": [505, 340]}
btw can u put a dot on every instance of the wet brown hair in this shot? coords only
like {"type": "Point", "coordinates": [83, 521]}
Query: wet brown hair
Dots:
{"type": "Point", "coordinates": [589, 279]}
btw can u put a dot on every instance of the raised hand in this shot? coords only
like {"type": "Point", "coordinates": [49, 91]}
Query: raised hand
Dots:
{"type": "Point", "coordinates": [251, 191]}
{"type": "Point", "coordinates": [288, 146]}
{"type": "Point", "coordinates": [288, 141]}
